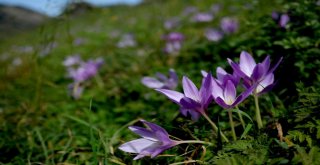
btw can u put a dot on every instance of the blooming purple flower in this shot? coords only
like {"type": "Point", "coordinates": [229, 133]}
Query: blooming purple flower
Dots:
{"type": "Point", "coordinates": [225, 94]}
{"type": "Point", "coordinates": [213, 35]}
{"type": "Point", "coordinates": [253, 73]}
{"type": "Point", "coordinates": [284, 19]}
{"type": "Point", "coordinates": [161, 81]}
{"type": "Point", "coordinates": [127, 40]}
{"type": "Point", "coordinates": [202, 17]}
{"type": "Point", "coordinates": [174, 42]}
{"type": "Point", "coordinates": [154, 141]}
{"type": "Point", "coordinates": [229, 25]}
{"type": "Point", "coordinates": [86, 70]}
{"type": "Point", "coordinates": [193, 101]}
{"type": "Point", "coordinates": [224, 89]}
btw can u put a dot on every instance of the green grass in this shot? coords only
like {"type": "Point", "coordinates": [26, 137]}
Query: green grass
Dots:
{"type": "Point", "coordinates": [40, 123]}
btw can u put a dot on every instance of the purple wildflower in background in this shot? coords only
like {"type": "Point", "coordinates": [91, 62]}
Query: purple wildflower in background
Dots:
{"type": "Point", "coordinates": [78, 41]}
{"type": "Point", "coordinates": [284, 19]}
{"type": "Point", "coordinates": [172, 23]}
{"type": "Point", "coordinates": [72, 60]}
{"type": "Point", "coordinates": [154, 141]}
{"type": "Point", "coordinates": [213, 34]}
{"type": "Point", "coordinates": [193, 101]}
{"type": "Point", "coordinates": [253, 73]}
{"type": "Point", "coordinates": [161, 81]}
{"type": "Point", "coordinates": [202, 17]}
{"type": "Point", "coordinates": [173, 42]}
{"type": "Point", "coordinates": [275, 15]}
{"type": "Point", "coordinates": [229, 25]}
{"type": "Point", "coordinates": [127, 40]}
{"type": "Point", "coordinates": [86, 70]}
{"type": "Point", "coordinates": [281, 19]}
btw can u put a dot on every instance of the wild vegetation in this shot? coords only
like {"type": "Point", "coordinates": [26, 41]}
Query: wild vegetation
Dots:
{"type": "Point", "coordinates": [71, 89]}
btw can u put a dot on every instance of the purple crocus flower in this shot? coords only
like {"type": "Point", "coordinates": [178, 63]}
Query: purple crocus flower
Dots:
{"type": "Point", "coordinates": [154, 141]}
{"type": "Point", "coordinates": [202, 17]}
{"type": "Point", "coordinates": [86, 70]}
{"type": "Point", "coordinates": [213, 35]}
{"type": "Point", "coordinates": [284, 19]}
{"type": "Point", "coordinates": [229, 25]}
{"type": "Point", "coordinates": [193, 101]}
{"type": "Point", "coordinates": [253, 73]}
{"type": "Point", "coordinates": [161, 81]}
{"type": "Point", "coordinates": [224, 89]}
{"type": "Point", "coordinates": [174, 42]}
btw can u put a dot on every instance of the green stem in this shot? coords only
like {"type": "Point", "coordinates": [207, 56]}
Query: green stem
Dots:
{"type": "Point", "coordinates": [215, 128]}
{"type": "Point", "coordinates": [241, 119]}
{"type": "Point", "coordinates": [258, 115]}
{"type": "Point", "coordinates": [232, 125]}
{"type": "Point", "coordinates": [193, 141]}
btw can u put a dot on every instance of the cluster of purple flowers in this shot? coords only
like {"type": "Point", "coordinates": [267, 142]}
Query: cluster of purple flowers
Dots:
{"type": "Point", "coordinates": [80, 71]}
{"type": "Point", "coordinates": [257, 79]}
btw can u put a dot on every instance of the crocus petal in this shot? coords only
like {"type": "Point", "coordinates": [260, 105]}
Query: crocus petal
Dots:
{"type": "Point", "coordinates": [221, 102]}
{"type": "Point", "coordinates": [190, 90]}
{"type": "Point", "coordinates": [236, 68]}
{"type": "Point", "coordinates": [230, 93]}
{"type": "Point", "coordinates": [188, 103]}
{"type": "Point", "coordinates": [206, 91]}
{"type": "Point", "coordinates": [151, 82]}
{"type": "Point", "coordinates": [157, 129]}
{"type": "Point", "coordinates": [194, 115]}
{"type": "Point", "coordinates": [204, 73]}
{"type": "Point", "coordinates": [258, 72]}
{"type": "Point", "coordinates": [275, 66]}
{"type": "Point", "coordinates": [221, 73]}
{"type": "Point", "coordinates": [216, 90]}
{"type": "Point", "coordinates": [173, 75]}
{"type": "Point", "coordinates": [266, 63]}
{"type": "Point", "coordinates": [268, 80]}
{"type": "Point", "coordinates": [247, 63]}
{"type": "Point", "coordinates": [172, 95]}
{"type": "Point", "coordinates": [161, 76]}
{"type": "Point", "coordinates": [143, 132]}
{"type": "Point", "coordinates": [136, 146]}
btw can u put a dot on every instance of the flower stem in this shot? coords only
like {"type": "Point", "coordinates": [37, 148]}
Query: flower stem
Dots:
{"type": "Point", "coordinates": [215, 128]}
{"type": "Point", "coordinates": [241, 119]}
{"type": "Point", "coordinates": [258, 116]}
{"type": "Point", "coordinates": [193, 141]}
{"type": "Point", "coordinates": [232, 125]}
